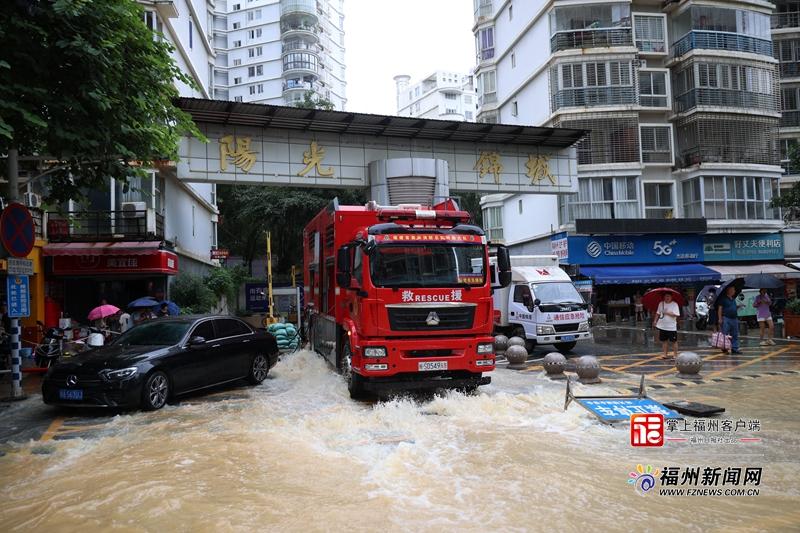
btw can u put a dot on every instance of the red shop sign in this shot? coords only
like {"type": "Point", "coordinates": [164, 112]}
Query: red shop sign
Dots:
{"type": "Point", "coordinates": [159, 262]}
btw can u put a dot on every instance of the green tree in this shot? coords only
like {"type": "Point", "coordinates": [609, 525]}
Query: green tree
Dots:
{"type": "Point", "coordinates": [87, 85]}
{"type": "Point", "coordinates": [192, 294]}
{"type": "Point", "coordinates": [312, 100]}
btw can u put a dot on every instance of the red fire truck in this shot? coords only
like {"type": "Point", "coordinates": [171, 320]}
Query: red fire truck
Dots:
{"type": "Point", "coordinates": [400, 298]}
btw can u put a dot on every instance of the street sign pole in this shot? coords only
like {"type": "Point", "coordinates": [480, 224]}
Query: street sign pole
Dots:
{"type": "Point", "coordinates": [16, 372]}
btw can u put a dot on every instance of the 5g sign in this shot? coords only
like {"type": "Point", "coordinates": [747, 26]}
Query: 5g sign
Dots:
{"type": "Point", "coordinates": [665, 248]}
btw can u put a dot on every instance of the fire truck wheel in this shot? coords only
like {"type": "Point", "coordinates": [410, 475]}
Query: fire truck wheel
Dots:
{"type": "Point", "coordinates": [519, 331]}
{"type": "Point", "coordinates": [565, 346]}
{"type": "Point", "coordinates": [354, 381]}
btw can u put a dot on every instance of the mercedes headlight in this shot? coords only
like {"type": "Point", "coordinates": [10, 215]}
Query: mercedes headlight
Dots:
{"type": "Point", "coordinates": [119, 375]}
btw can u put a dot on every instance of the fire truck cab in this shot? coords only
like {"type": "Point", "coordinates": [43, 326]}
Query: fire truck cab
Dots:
{"type": "Point", "coordinates": [400, 298]}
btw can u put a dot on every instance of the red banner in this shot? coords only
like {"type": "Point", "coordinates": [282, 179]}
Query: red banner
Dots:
{"type": "Point", "coordinates": [159, 262]}
{"type": "Point", "coordinates": [426, 237]}
{"type": "Point", "coordinates": [220, 253]}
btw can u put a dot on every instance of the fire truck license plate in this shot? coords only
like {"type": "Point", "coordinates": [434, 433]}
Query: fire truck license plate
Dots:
{"type": "Point", "coordinates": [426, 366]}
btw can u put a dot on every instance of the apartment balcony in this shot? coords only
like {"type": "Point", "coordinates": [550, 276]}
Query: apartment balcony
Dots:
{"type": "Point", "coordinates": [725, 154]}
{"type": "Point", "coordinates": [591, 38]}
{"type": "Point", "coordinates": [299, 30]}
{"type": "Point", "coordinates": [299, 46]}
{"type": "Point", "coordinates": [790, 69]}
{"type": "Point", "coordinates": [721, 40]}
{"type": "Point", "coordinates": [725, 98]}
{"type": "Point", "coordinates": [304, 11]}
{"type": "Point", "coordinates": [483, 10]}
{"type": "Point", "coordinates": [595, 97]}
{"type": "Point", "coordinates": [786, 20]}
{"type": "Point", "coordinates": [92, 226]}
{"type": "Point", "coordinates": [790, 119]}
{"type": "Point", "coordinates": [299, 68]}
{"type": "Point", "coordinates": [290, 87]}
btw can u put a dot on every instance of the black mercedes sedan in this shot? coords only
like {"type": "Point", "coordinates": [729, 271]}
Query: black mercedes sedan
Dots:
{"type": "Point", "coordinates": [156, 361]}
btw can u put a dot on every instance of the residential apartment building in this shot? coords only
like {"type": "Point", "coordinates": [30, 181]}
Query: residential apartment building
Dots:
{"type": "Point", "coordinates": [444, 95]}
{"type": "Point", "coordinates": [680, 100]}
{"type": "Point", "coordinates": [274, 51]}
{"type": "Point", "coordinates": [786, 48]}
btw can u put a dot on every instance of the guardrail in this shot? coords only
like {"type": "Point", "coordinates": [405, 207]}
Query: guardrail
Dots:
{"type": "Point", "coordinates": [89, 226]}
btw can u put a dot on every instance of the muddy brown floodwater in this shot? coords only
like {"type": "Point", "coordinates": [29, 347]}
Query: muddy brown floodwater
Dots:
{"type": "Point", "coordinates": [296, 454]}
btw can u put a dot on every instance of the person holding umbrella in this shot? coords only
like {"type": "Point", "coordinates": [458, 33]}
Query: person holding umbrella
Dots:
{"type": "Point", "coordinates": [664, 303]}
{"type": "Point", "coordinates": [728, 313]}
{"type": "Point", "coordinates": [762, 304]}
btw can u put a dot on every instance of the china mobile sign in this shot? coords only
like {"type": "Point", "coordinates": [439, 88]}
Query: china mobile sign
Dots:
{"type": "Point", "coordinates": [641, 249]}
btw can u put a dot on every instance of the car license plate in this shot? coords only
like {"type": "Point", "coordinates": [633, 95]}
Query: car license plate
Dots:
{"type": "Point", "coordinates": [426, 366]}
{"type": "Point", "coordinates": [70, 394]}
{"type": "Point", "coordinates": [568, 337]}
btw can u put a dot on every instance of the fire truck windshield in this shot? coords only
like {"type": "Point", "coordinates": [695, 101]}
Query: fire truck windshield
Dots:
{"type": "Point", "coordinates": [428, 265]}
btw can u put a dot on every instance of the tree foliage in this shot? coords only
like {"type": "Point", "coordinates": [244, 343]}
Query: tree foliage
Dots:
{"type": "Point", "coordinates": [312, 100]}
{"type": "Point", "coordinates": [86, 84]}
{"type": "Point", "coordinates": [192, 294]}
{"type": "Point", "coordinates": [248, 212]}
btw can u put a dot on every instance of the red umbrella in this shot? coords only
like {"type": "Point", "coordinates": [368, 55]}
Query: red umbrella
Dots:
{"type": "Point", "coordinates": [653, 297]}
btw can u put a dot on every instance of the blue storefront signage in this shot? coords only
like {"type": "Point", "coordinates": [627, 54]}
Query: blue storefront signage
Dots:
{"type": "Point", "coordinates": [633, 249]}
{"type": "Point", "coordinates": [18, 296]}
{"type": "Point", "coordinates": [620, 409]}
{"type": "Point", "coordinates": [743, 247]}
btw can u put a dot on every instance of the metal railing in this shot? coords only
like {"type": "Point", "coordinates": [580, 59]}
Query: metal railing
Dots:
{"type": "Point", "coordinates": [725, 154]}
{"type": "Point", "coordinates": [790, 19]}
{"type": "Point", "coordinates": [725, 98]}
{"type": "Point", "coordinates": [304, 85]}
{"type": "Point", "coordinates": [656, 156]}
{"type": "Point", "coordinates": [790, 119]}
{"type": "Point", "coordinates": [299, 45]}
{"type": "Point", "coordinates": [591, 38]}
{"type": "Point", "coordinates": [653, 100]}
{"type": "Point", "coordinates": [594, 97]}
{"type": "Point", "coordinates": [790, 69]}
{"type": "Point", "coordinates": [308, 7]}
{"type": "Point", "coordinates": [91, 226]}
{"type": "Point", "coordinates": [721, 40]}
{"type": "Point", "coordinates": [651, 45]}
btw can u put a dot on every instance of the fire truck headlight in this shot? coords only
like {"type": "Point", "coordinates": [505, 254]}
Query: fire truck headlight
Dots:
{"type": "Point", "coordinates": [485, 348]}
{"type": "Point", "coordinates": [375, 351]}
{"type": "Point", "coordinates": [545, 330]}
{"type": "Point", "coordinates": [584, 326]}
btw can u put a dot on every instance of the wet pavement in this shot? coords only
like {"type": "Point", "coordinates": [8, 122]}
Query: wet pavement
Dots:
{"type": "Point", "coordinates": [297, 454]}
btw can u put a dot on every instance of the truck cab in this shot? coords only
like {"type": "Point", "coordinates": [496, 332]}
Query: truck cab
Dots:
{"type": "Point", "coordinates": [542, 305]}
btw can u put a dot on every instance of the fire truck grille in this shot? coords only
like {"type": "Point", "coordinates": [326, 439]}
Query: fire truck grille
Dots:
{"type": "Point", "coordinates": [562, 328]}
{"type": "Point", "coordinates": [431, 318]}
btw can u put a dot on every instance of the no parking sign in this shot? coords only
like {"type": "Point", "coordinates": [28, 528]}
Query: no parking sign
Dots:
{"type": "Point", "coordinates": [17, 233]}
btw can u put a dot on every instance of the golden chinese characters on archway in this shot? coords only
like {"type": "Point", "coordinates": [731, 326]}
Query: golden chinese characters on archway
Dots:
{"type": "Point", "coordinates": [539, 169]}
{"type": "Point", "coordinates": [238, 150]}
{"type": "Point", "coordinates": [313, 158]}
{"type": "Point", "coordinates": [489, 163]}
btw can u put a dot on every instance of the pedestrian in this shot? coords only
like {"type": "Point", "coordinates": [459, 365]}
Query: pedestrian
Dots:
{"type": "Point", "coordinates": [125, 321]}
{"type": "Point", "coordinates": [711, 299]}
{"type": "Point", "coordinates": [666, 321]}
{"type": "Point", "coordinates": [5, 320]}
{"type": "Point", "coordinates": [163, 310]}
{"type": "Point", "coordinates": [762, 304]}
{"type": "Point", "coordinates": [638, 307]}
{"type": "Point", "coordinates": [728, 317]}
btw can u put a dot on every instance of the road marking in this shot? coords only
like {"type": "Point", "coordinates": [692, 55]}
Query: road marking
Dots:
{"type": "Point", "coordinates": [52, 428]}
{"type": "Point", "coordinates": [748, 363]}
{"type": "Point", "coordinates": [639, 363]}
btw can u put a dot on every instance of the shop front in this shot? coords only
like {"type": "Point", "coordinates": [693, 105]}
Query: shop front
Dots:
{"type": "Point", "coordinates": [82, 275]}
{"type": "Point", "coordinates": [622, 267]}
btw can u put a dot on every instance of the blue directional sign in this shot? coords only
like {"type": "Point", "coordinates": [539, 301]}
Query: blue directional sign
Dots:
{"type": "Point", "coordinates": [620, 409]}
{"type": "Point", "coordinates": [18, 296]}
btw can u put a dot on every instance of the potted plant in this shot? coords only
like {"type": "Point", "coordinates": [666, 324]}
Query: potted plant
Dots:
{"type": "Point", "coordinates": [791, 318]}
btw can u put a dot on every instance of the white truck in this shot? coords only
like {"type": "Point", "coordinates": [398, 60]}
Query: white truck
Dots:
{"type": "Point", "coordinates": [541, 304]}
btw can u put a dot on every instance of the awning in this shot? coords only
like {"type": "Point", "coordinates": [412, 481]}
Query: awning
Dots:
{"type": "Point", "coordinates": [101, 248]}
{"type": "Point", "coordinates": [649, 274]}
{"type": "Point", "coordinates": [739, 271]}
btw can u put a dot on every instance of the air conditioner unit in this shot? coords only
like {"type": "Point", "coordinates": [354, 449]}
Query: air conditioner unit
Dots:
{"type": "Point", "coordinates": [134, 209]}
{"type": "Point", "coordinates": [32, 199]}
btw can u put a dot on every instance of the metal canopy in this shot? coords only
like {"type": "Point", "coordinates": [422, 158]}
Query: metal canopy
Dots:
{"type": "Point", "coordinates": [343, 122]}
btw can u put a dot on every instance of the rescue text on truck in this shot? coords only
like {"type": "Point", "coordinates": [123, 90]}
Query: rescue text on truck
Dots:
{"type": "Point", "coordinates": [400, 298]}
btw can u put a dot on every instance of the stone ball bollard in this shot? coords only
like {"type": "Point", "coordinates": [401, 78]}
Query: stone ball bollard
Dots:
{"type": "Point", "coordinates": [689, 365]}
{"type": "Point", "coordinates": [516, 341]}
{"type": "Point", "coordinates": [516, 355]}
{"type": "Point", "coordinates": [554, 364]}
{"type": "Point", "coordinates": [588, 369]}
{"type": "Point", "coordinates": [500, 344]}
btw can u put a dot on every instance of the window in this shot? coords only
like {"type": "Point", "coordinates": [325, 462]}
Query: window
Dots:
{"type": "Point", "coordinates": [450, 111]}
{"type": "Point", "coordinates": [658, 200]}
{"type": "Point", "coordinates": [513, 60]}
{"type": "Point", "coordinates": [252, 89]}
{"type": "Point", "coordinates": [468, 100]}
{"type": "Point", "coordinates": [649, 33]}
{"type": "Point", "coordinates": [656, 144]}
{"type": "Point", "coordinates": [485, 44]}
{"type": "Point", "coordinates": [255, 52]}
{"type": "Point", "coordinates": [590, 26]}
{"type": "Point", "coordinates": [493, 223]}
{"type": "Point", "coordinates": [514, 108]}
{"type": "Point", "coordinates": [237, 98]}
{"type": "Point", "coordinates": [522, 295]}
{"type": "Point", "coordinates": [237, 62]}
{"type": "Point", "coordinates": [237, 25]}
{"type": "Point", "coordinates": [468, 115]}
{"type": "Point", "coordinates": [519, 206]}
{"type": "Point", "coordinates": [229, 327]}
{"type": "Point", "coordinates": [653, 88]}
{"type": "Point", "coordinates": [237, 81]}
{"type": "Point", "coordinates": [193, 221]}
{"type": "Point", "coordinates": [730, 197]}
{"type": "Point", "coordinates": [300, 60]}
{"type": "Point", "coordinates": [260, 88]}
{"type": "Point", "coordinates": [237, 44]}
{"type": "Point", "coordinates": [150, 19]}
{"type": "Point", "coordinates": [358, 265]}
{"type": "Point", "coordinates": [237, 7]}
{"type": "Point", "coordinates": [205, 330]}
{"type": "Point", "coordinates": [607, 198]}
{"type": "Point", "coordinates": [255, 33]}
{"type": "Point", "coordinates": [487, 88]}
{"type": "Point", "coordinates": [510, 12]}
{"type": "Point", "coordinates": [191, 34]}
{"type": "Point", "coordinates": [257, 70]}
{"type": "Point", "coordinates": [450, 96]}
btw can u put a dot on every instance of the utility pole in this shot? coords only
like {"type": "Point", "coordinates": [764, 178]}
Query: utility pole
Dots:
{"type": "Point", "coordinates": [16, 362]}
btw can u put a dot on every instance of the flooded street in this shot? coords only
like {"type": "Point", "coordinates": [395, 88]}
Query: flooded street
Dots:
{"type": "Point", "coordinates": [297, 454]}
